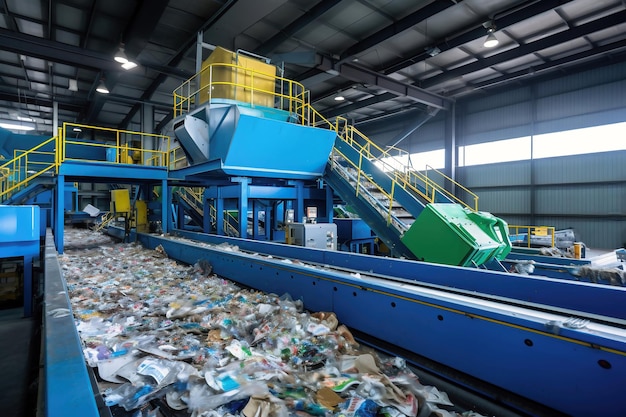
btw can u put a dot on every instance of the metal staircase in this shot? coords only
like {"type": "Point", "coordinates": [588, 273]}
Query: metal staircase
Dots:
{"type": "Point", "coordinates": [29, 172]}
{"type": "Point", "coordinates": [191, 197]}
{"type": "Point", "coordinates": [409, 210]}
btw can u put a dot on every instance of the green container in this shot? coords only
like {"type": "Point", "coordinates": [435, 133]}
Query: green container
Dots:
{"type": "Point", "coordinates": [454, 235]}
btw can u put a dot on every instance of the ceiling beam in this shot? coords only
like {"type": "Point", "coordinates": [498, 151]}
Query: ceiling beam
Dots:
{"type": "Point", "coordinates": [474, 33]}
{"type": "Point", "coordinates": [361, 74]}
{"type": "Point", "coordinates": [38, 101]}
{"type": "Point", "coordinates": [175, 60]}
{"type": "Point", "coordinates": [62, 53]}
{"type": "Point", "coordinates": [529, 48]}
{"type": "Point", "coordinates": [343, 110]}
{"type": "Point", "coordinates": [535, 70]}
{"type": "Point", "coordinates": [138, 29]}
{"type": "Point", "coordinates": [308, 17]}
{"type": "Point", "coordinates": [396, 28]}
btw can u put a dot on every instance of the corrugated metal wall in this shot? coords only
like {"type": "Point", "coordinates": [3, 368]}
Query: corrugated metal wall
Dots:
{"type": "Point", "coordinates": [586, 192]}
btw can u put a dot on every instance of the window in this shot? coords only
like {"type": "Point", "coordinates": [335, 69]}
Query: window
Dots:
{"type": "Point", "coordinates": [517, 149]}
{"type": "Point", "coordinates": [417, 161]}
{"type": "Point", "coordinates": [580, 141]}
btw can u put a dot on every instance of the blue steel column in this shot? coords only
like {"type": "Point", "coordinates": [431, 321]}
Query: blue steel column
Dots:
{"type": "Point", "coordinates": [298, 210]}
{"type": "Point", "coordinates": [166, 204]}
{"type": "Point", "coordinates": [255, 220]}
{"type": "Point", "coordinates": [242, 206]}
{"type": "Point", "coordinates": [59, 213]}
{"type": "Point", "coordinates": [450, 148]}
{"type": "Point", "coordinates": [206, 211]}
{"type": "Point", "coordinates": [329, 203]}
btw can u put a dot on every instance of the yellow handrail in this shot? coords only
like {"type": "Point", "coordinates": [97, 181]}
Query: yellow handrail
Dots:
{"type": "Point", "coordinates": [533, 231]}
{"type": "Point", "coordinates": [221, 80]}
{"type": "Point", "coordinates": [361, 175]}
{"type": "Point", "coordinates": [128, 145]}
{"type": "Point", "coordinates": [290, 97]}
{"type": "Point", "coordinates": [16, 173]}
{"type": "Point", "coordinates": [106, 219]}
{"type": "Point", "coordinates": [442, 190]}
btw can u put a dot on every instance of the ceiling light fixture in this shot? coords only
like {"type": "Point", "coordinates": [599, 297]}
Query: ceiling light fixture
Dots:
{"type": "Point", "coordinates": [434, 51]}
{"type": "Point", "coordinates": [16, 126]}
{"type": "Point", "coordinates": [339, 98]}
{"type": "Point", "coordinates": [73, 85]}
{"type": "Point", "coordinates": [129, 65]}
{"type": "Point", "coordinates": [491, 41]}
{"type": "Point", "coordinates": [120, 56]}
{"type": "Point", "coordinates": [102, 89]}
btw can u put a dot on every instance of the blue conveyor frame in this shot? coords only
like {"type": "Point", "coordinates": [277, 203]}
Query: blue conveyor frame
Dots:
{"type": "Point", "coordinates": [527, 351]}
{"type": "Point", "coordinates": [67, 383]}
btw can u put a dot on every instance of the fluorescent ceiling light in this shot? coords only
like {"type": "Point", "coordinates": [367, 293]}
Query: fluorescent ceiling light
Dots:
{"type": "Point", "coordinates": [17, 126]}
{"type": "Point", "coordinates": [491, 41]}
{"type": "Point", "coordinates": [120, 56]}
{"type": "Point", "coordinates": [129, 65]}
{"type": "Point", "coordinates": [77, 129]}
{"type": "Point", "coordinates": [339, 98]}
{"type": "Point", "coordinates": [102, 88]}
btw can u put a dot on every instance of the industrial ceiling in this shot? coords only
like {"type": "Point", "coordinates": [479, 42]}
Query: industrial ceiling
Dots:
{"type": "Point", "coordinates": [382, 56]}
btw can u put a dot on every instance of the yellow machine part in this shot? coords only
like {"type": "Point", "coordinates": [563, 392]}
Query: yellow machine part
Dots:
{"type": "Point", "coordinates": [141, 210]}
{"type": "Point", "coordinates": [120, 201]}
{"type": "Point", "coordinates": [252, 82]}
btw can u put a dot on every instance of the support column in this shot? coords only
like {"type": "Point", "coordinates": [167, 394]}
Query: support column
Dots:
{"type": "Point", "coordinates": [59, 213]}
{"type": "Point", "coordinates": [242, 206]}
{"type": "Point", "coordinates": [219, 213]}
{"type": "Point", "coordinates": [147, 126]}
{"type": "Point", "coordinates": [329, 203]}
{"type": "Point", "coordinates": [298, 209]}
{"type": "Point", "coordinates": [450, 148]}
{"type": "Point", "coordinates": [55, 118]}
{"type": "Point", "coordinates": [166, 203]}
{"type": "Point", "coordinates": [255, 220]}
{"type": "Point", "coordinates": [533, 164]}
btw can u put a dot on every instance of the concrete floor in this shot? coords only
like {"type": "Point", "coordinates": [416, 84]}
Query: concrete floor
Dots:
{"type": "Point", "coordinates": [18, 390]}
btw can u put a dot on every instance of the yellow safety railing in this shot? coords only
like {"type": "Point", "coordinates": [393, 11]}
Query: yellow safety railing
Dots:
{"type": "Point", "coordinates": [119, 146]}
{"type": "Point", "coordinates": [372, 185]}
{"type": "Point", "coordinates": [516, 231]}
{"type": "Point", "coordinates": [234, 82]}
{"type": "Point", "coordinates": [177, 158]}
{"type": "Point", "coordinates": [438, 187]}
{"type": "Point", "coordinates": [107, 218]}
{"type": "Point", "coordinates": [246, 86]}
{"type": "Point", "coordinates": [17, 173]}
{"type": "Point", "coordinates": [193, 197]}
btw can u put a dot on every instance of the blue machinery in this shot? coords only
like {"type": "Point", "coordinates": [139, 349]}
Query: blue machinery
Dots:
{"type": "Point", "coordinates": [537, 346]}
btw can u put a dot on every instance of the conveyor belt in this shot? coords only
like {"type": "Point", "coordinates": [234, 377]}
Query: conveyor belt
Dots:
{"type": "Point", "coordinates": [574, 367]}
{"type": "Point", "coordinates": [603, 303]}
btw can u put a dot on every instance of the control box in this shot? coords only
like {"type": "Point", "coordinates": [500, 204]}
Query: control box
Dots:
{"type": "Point", "coordinates": [312, 235]}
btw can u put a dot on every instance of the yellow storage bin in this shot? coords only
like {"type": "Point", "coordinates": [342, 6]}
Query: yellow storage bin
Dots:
{"type": "Point", "coordinates": [240, 78]}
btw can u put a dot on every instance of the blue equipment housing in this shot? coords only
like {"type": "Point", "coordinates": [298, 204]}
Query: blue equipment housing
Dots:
{"type": "Point", "coordinates": [232, 139]}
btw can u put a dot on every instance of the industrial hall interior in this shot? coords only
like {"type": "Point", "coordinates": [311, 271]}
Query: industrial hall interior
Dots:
{"type": "Point", "coordinates": [312, 208]}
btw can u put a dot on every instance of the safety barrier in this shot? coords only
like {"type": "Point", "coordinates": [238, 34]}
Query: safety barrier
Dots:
{"type": "Point", "coordinates": [524, 234]}
{"type": "Point", "coordinates": [28, 165]}
{"type": "Point", "coordinates": [90, 144]}
{"type": "Point", "coordinates": [114, 146]}
{"type": "Point", "coordinates": [245, 85]}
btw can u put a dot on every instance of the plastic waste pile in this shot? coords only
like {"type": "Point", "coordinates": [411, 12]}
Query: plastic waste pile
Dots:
{"type": "Point", "coordinates": [154, 329]}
